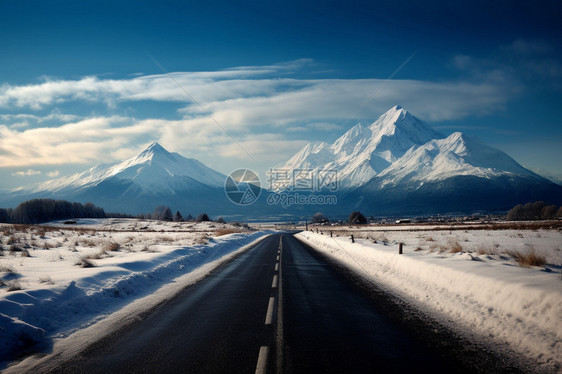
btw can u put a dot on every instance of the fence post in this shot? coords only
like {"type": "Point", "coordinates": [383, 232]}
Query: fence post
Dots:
{"type": "Point", "coordinates": [352, 240]}
{"type": "Point", "coordinates": [331, 234]}
{"type": "Point", "coordinates": [400, 248]}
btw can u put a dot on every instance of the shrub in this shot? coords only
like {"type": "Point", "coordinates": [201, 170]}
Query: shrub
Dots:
{"type": "Point", "coordinates": [531, 258]}
{"type": "Point", "coordinates": [84, 262]}
{"type": "Point", "coordinates": [14, 249]}
{"type": "Point", "coordinates": [13, 286]}
{"type": "Point", "coordinates": [7, 269]}
{"type": "Point", "coordinates": [455, 247]}
{"type": "Point", "coordinates": [25, 253]}
{"type": "Point", "coordinates": [356, 218]}
{"type": "Point", "coordinates": [46, 279]}
{"type": "Point", "coordinates": [111, 247]}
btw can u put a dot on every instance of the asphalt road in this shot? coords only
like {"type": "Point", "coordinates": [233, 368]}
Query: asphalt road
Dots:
{"type": "Point", "coordinates": [276, 308]}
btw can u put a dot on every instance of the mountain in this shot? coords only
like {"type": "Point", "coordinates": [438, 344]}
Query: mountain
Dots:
{"type": "Point", "coordinates": [154, 177]}
{"type": "Point", "coordinates": [453, 175]}
{"type": "Point", "coordinates": [154, 170]}
{"type": "Point", "coordinates": [363, 152]}
{"type": "Point", "coordinates": [400, 165]}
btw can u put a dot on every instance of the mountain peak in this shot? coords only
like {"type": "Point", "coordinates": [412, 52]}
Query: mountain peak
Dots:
{"type": "Point", "coordinates": [153, 148]}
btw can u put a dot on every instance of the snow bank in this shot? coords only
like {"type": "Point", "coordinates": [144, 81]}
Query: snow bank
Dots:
{"type": "Point", "coordinates": [504, 305]}
{"type": "Point", "coordinates": [31, 316]}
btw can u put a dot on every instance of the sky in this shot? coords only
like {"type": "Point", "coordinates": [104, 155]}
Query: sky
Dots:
{"type": "Point", "coordinates": [246, 84]}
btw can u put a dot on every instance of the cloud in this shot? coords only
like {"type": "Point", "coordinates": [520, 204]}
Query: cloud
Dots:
{"type": "Point", "coordinates": [26, 173]}
{"type": "Point", "coordinates": [53, 174]}
{"type": "Point", "coordinates": [525, 64]}
{"type": "Point", "coordinates": [255, 105]}
{"type": "Point", "coordinates": [529, 47]}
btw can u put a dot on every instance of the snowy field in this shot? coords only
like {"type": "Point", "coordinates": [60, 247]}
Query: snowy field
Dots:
{"type": "Point", "coordinates": [59, 278]}
{"type": "Point", "coordinates": [502, 288]}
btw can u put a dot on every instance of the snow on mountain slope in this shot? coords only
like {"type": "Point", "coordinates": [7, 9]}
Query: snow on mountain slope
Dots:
{"type": "Point", "coordinates": [154, 169]}
{"type": "Point", "coordinates": [455, 155]}
{"type": "Point", "coordinates": [363, 152]}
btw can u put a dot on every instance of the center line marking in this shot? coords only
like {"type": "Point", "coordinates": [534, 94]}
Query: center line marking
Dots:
{"type": "Point", "coordinates": [277, 259]}
{"type": "Point", "coordinates": [269, 315]}
{"type": "Point", "coordinates": [275, 281]}
{"type": "Point", "coordinates": [277, 267]}
{"type": "Point", "coordinates": [261, 367]}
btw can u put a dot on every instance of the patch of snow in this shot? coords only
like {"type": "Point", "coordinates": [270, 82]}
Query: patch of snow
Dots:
{"type": "Point", "coordinates": [58, 297]}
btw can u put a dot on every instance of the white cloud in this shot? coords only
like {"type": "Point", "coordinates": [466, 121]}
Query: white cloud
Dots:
{"type": "Point", "coordinates": [53, 174]}
{"type": "Point", "coordinates": [251, 104]}
{"type": "Point", "coordinates": [26, 173]}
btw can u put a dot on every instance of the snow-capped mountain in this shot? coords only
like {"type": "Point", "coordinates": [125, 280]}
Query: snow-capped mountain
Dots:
{"type": "Point", "coordinates": [399, 164]}
{"type": "Point", "coordinates": [363, 152]}
{"type": "Point", "coordinates": [455, 155]}
{"type": "Point", "coordinates": [153, 170]}
{"type": "Point", "coordinates": [138, 185]}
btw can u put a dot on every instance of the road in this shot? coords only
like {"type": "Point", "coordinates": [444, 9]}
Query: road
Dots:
{"type": "Point", "coordinates": [276, 308]}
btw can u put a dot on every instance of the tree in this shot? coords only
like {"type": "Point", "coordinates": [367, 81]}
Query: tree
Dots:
{"type": "Point", "coordinates": [319, 218]}
{"type": "Point", "coordinates": [549, 212]}
{"type": "Point", "coordinates": [44, 210]}
{"type": "Point", "coordinates": [178, 217]}
{"type": "Point", "coordinates": [221, 220]}
{"type": "Point", "coordinates": [516, 213]}
{"type": "Point", "coordinates": [4, 216]}
{"type": "Point", "coordinates": [162, 213]}
{"type": "Point", "coordinates": [202, 218]}
{"type": "Point", "coordinates": [533, 211]}
{"type": "Point", "coordinates": [356, 218]}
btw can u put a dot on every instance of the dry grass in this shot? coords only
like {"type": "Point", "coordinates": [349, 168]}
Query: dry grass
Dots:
{"type": "Point", "coordinates": [455, 246]}
{"type": "Point", "coordinates": [531, 258]}
{"type": "Point", "coordinates": [226, 231]}
{"type": "Point", "coordinates": [88, 242]}
{"type": "Point", "coordinates": [483, 250]}
{"type": "Point", "coordinates": [46, 279]}
{"type": "Point", "coordinates": [202, 240]}
{"type": "Point", "coordinates": [84, 262]}
{"type": "Point", "coordinates": [13, 286]}
{"type": "Point", "coordinates": [164, 239]}
{"type": "Point", "coordinates": [7, 269]}
{"type": "Point", "coordinates": [111, 247]}
{"type": "Point", "coordinates": [97, 255]}
{"type": "Point", "coordinates": [14, 248]}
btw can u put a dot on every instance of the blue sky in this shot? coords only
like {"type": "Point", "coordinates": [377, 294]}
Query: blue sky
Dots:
{"type": "Point", "coordinates": [80, 82]}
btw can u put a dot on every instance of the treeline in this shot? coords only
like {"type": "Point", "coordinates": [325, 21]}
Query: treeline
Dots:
{"type": "Point", "coordinates": [539, 210]}
{"type": "Point", "coordinates": [164, 213]}
{"type": "Point", "coordinates": [45, 210]}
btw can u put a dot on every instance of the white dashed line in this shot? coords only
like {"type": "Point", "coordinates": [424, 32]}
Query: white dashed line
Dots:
{"type": "Point", "coordinates": [261, 367]}
{"type": "Point", "coordinates": [277, 267]}
{"type": "Point", "coordinates": [275, 280]}
{"type": "Point", "coordinates": [269, 315]}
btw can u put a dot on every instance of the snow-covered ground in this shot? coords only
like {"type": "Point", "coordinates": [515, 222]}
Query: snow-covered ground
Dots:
{"type": "Point", "coordinates": [57, 279]}
{"type": "Point", "coordinates": [471, 280]}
